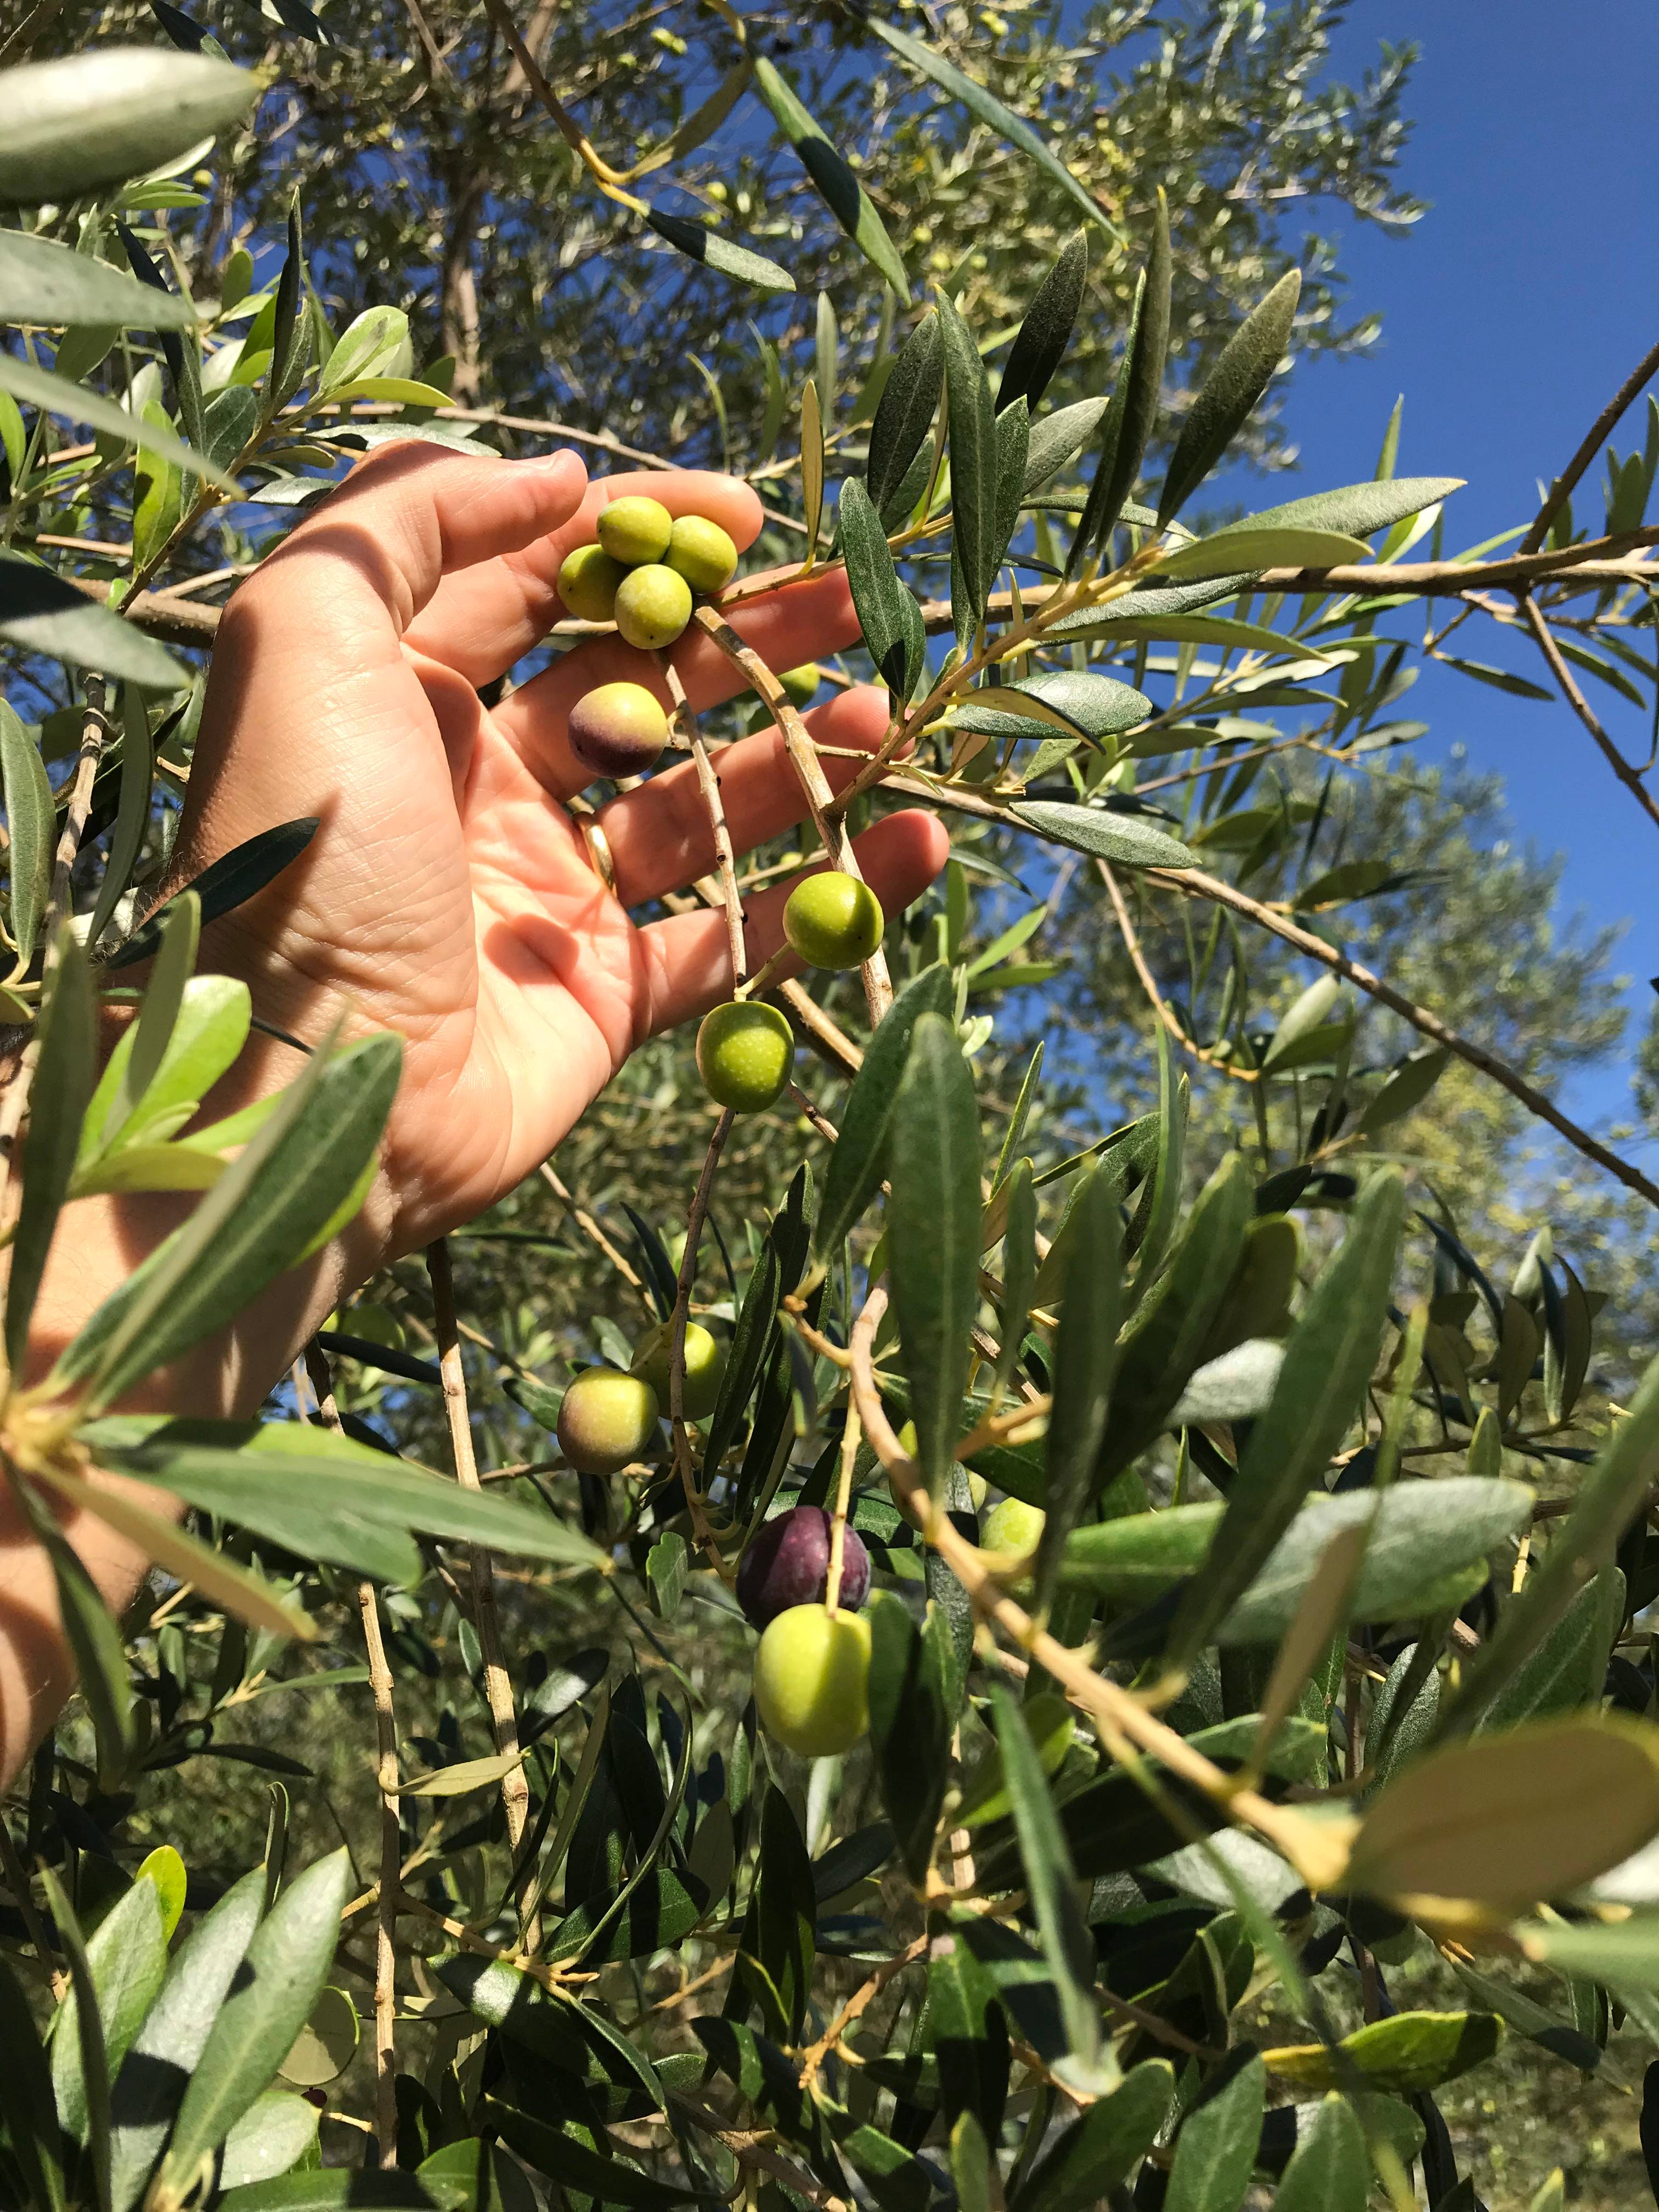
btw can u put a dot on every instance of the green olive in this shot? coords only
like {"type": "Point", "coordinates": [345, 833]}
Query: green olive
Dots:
{"type": "Point", "coordinates": [635, 529]}
{"type": "Point", "coordinates": [588, 578]}
{"type": "Point", "coordinates": [654, 605]}
{"type": "Point", "coordinates": [705, 1365]}
{"type": "Point", "coordinates": [607, 1420]}
{"type": "Point", "coordinates": [811, 1680]}
{"type": "Point", "coordinates": [801, 684]}
{"type": "Point", "coordinates": [1011, 1526]}
{"type": "Point", "coordinates": [617, 730]}
{"type": "Point", "coordinates": [702, 552]}
{"type": "Point", "coordinates": [833, 920]}
{"type": "Point", "coordinates": [744, 1053]}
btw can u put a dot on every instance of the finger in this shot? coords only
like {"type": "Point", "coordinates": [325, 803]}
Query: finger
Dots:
{"type": "Point", "coordinates": [799, 620]}
{"type": "Point", "coordinates": [688, 962]}
{"type": "Point", "coordinates": [660, 836]}
{"type": "Point", "coordinates": [481, 620]}
{"type": "Point", "coordinates": [379, 546]}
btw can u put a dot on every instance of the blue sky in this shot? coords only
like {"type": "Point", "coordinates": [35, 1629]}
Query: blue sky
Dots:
{"type": "Point", "coordinates": [1510, 313]}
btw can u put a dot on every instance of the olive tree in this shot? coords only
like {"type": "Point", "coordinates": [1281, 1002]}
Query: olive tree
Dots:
{"type": "Point", "coordinates": [928, 1702]}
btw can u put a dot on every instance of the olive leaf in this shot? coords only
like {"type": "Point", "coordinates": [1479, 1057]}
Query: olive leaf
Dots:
{"type": "Point", "coordinates": [1229, 394]}
{"type": "Point", "coordinates": [1041, 341]}
{"type": "Point", "coordinates": [837, 183]}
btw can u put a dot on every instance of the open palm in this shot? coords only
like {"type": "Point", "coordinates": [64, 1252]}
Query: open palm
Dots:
{"type": "Point", "coordinates": [447, 894]}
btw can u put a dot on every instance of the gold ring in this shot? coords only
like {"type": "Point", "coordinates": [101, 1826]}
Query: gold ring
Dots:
{"type": "Point", "coordinates": [599, 852]}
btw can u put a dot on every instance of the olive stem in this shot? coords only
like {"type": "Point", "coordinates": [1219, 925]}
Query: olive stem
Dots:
{"type": "Point", "coordinates": [820, 800]}
{"type": "Point", "coordinates": [708, 784]}
{"type": "Point", "coordinates": [849, 1452]}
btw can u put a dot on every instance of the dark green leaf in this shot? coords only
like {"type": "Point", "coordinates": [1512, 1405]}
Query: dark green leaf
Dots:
{"type": "Point", "coordinates": [1013, 440]}
{"type": "Point", "coordinates": [974, 474]}
{"type": "Point", "coordinates": [31, 826]}
{"type": "Point", "coordinates": [659, 1910]}
{"type": "Point", "coordinates": [910, 1726]}
{"type": "Point", "coordinates": [1329, 2172]}
{"type": "Point", "coordinates": [63, 1080]}
{"type": "Point", "coordinates": [891, 621]}
{"type": "Point", "coordinates": [909, 401]}
{"type": "Point", "coordinates": [979, 102]}
{"type": "Point", "coordinates": [1173, 1327]}
{"type": "Point", "coordinates": [284, 1193]}
{"type": "Point", "coordinates": [969, 2034]}
{"type": "Point", "coordinates": [287, 1962]}
{"type": "Point", "coordinates": [1085, 1362]}
{"type": "Point", "coordinates": [1058, 439]}
{"type": "Point", "coordinates": [751, 1341]}
{"type": "Point", "coordinates": [1051, 1880]}
{"type": "Point", "coordinates": [100, 1654]}
{"type": "Point", "coordinates": [1327, 1365]}
{"type": "Point", "coordinates": [558, 2151]}
{"type": "Point", "coordinates": [1098, 2153]}
{"type": "Point", "coordinates": [26, 2099]}
{"type": "Point", "coordinates": [41, 612]}
{"type": "Point", "coordinates": [1020, 1269]}
{"type": "Point", "coordinates": [132, 813]}
{"type": "Point", "coordinates": [698, 242]}
{"type": "Point", "coordinates": [290, 330]}
{"type": "Point", "coordinates": [1215, 2150]}
{"type": "Point", "coordinates": [1040, 344]}
{"type": "Point", "coordinates": [1227, 398]}
{"type": "Point", "coordinates": [1128, 840]}
{"type": "Point", "coordinates": [846, 197]}
{"type": "Point", "coordinates": [164, 2054]}
{"type": "Point", "coordinates": [84, 2079]}
{"type": "Point", "coordinates": [859, 1159]}
{"type": "Point", "coordinates": [933, 1237]}
{"type": "Point", "coordinates": [1135, 403]}
{"type": "Point", "coordinates": [1569, 1668]}
{"type": "Point", "coordinates": [1094, 707]}
{"type": "Point", "coordinates": [347, 2189]}
{"type": "Point", "coordinates": [226, 883]}
{"type": "Point", "coordinates": [69, 126]}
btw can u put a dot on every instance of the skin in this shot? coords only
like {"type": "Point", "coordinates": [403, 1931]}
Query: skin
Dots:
{"type": "Point", "coordinates": [447, 895]}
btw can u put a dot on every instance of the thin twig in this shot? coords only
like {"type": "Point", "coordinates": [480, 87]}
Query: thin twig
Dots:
{"type": "Point", "coordinates": [1193, 883]}
{"type": "Point", "coordinates": [1581, 707]}
{"type": "Point", "coordinates": [498, 1688]}
{"type": "Point", "coordinates": [389, 1887]}
{"type": "Point", "coordinates": [708, 785]}
{"type": "Point", "coordinates": [1561, 490]}
{"type": "Point", "coordinates": [877, 984]}
{"type": "Point", "coordinates": [1149, 984]}
{"type": "Point", "coordinates": [589, 1226]}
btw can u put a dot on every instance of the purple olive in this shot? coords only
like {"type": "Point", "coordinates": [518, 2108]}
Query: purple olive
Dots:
{"type": "Point", "coordinates": [617, 730]}
{"type": "Point", "coordinates": [788, 1564]}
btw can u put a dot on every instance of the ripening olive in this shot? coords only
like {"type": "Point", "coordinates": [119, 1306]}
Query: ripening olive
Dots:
{"type": "Point", "coordinates": [654, 605]}
{"type": "Point", "coordinates": [788, 1564]}
{"type": "Point", "coordinates": [705, 1364]}
{"type": "Point", "coordinates": [833, 920]}
{"type": "Point", "coordinates": [616, 730]}
{"type": "Point", "coordinates": [811, 1680]}
{"type": "Point", "coordinates": [635, 529]}
{"type": "Point", "coordinates": [801, 684]}
{"type": "Point", "coordinates": [607, 1420]}
{"type": "Point", "coordinates": [1011, 1526]}
{"type": "Point", "coordinates": [588, 578]}
{"type": "Point", "coordinates": [744, 1053]}
{"type": "Point", "coordinates": [702, 552]}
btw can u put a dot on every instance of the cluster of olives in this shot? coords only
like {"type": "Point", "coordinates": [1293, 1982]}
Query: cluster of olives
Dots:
{"type": "Point", "coordinates": [745, 1049]}
{"type": "Point", "coordinates": [811, 1670]}
{"type": "Point", "coordinates": [643, 570]}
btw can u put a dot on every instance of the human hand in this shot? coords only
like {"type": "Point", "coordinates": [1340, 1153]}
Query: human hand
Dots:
{"type": "Point", "coordinates": [447, 894]}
